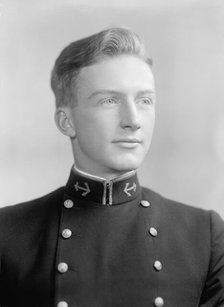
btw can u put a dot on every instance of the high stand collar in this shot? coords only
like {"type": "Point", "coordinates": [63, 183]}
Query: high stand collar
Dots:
{"type": "Point", "coordinates": [100, 191]}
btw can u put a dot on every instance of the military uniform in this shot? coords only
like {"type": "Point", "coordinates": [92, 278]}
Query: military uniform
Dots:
{"type": "Point", "coordinates": [110, 244]}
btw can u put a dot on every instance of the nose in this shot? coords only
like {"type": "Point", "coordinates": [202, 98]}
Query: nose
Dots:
{"type": "Point", "coordinates": [129, 116]}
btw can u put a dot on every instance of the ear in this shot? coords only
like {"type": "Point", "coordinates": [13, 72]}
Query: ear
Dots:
{"type": "Point", "coordinates": [64, 122]}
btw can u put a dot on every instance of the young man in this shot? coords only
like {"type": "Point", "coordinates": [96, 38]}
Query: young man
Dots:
{"type": "Point", "coordinates": [103, 240]}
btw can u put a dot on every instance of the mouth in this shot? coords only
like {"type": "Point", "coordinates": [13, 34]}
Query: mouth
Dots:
{"type": "Point", "coordinates": [128, 143]}
{"type": "Point", "coordinates": [128, 140]}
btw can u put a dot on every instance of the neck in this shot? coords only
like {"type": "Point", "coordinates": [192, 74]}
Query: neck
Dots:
{"type": "Point", "coordinates": [101, 178]}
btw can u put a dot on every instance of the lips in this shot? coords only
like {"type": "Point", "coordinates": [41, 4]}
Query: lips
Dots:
{"type": "Point", "coordinates": [128, 140]}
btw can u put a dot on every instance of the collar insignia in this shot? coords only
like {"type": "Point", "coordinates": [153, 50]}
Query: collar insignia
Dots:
{"type": "Point", "coordinates": [127, 189]}
{"type": "Point", "coordinates": [86, 189]}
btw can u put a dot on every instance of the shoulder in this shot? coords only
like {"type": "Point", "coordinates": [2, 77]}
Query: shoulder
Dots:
{"type": "Point", "coordinates": [170, 204]}
{"type": "Point", "coordinates": [191, 224]}
{"type": "Point", "coordinates": [33, 205]}
{"type": "Point", "coordinates": [28, 215]}
{"type": "Point", "coordinates": [183, 214]}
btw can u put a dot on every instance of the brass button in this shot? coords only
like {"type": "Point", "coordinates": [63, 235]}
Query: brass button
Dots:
{"type": "Point", "coordinates": [66, 233]}
{"type": "Point", "coordinates": [62, 304]}
{"type": "Point", "coordinates": [62, 267]}
{"type": "Point", "coordinates": [159, 302]}
{"type": "Point", "coordinates": [153, 232]}
{"type": "Point", "coordinates": [68, 203]}
{"type": "Point", "coordinates": [158, 265]}
{"type": "Point", "coordinates": [145, 203]}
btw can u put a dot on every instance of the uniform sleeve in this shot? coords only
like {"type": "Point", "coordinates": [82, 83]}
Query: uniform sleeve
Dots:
{"type": "Point", "coordinates": [3, 237]}
{"type": "Point", "coordinates": [1, 281]}
{"type": "Point", "coordinates": [0, 278]}
{"type": "Point", "coordinates": [213, 293]}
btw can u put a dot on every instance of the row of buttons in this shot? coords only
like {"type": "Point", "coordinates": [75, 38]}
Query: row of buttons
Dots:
{"type": "Point", "coordinates": [69, 203]}
{"type": "Point", "coordinates": [67, 233]}
{"type": "Point", "coordinates": [158, 302]}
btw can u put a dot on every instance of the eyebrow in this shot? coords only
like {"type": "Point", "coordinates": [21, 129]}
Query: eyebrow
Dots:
{"type": "Point", "coordinates": [112, 92]}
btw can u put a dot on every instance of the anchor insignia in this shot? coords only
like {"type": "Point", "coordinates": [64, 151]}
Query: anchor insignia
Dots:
{"type": "Point", "coordinates": [127, 188]}
{"type": "Point", "coordinates": [86, 189]}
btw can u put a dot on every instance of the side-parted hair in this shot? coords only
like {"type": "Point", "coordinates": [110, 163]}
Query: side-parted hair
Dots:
{"type": "Point", "coordinates": [109, 43]}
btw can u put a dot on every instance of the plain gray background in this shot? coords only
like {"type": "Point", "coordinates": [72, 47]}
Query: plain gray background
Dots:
{"type": "Point", "coordinates": [186, 41]}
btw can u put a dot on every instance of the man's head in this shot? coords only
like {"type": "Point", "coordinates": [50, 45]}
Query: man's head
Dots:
{"type": "Point", "coordinates": [105, 100]}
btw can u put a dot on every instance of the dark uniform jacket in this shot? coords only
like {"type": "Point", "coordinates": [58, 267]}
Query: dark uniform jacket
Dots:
{"type": "Point", "coordinates": [98, 244]}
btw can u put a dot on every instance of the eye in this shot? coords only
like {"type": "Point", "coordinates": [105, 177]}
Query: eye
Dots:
{"type": "Point", "coordinates": [109, 101]}
{"type": "Point", "coordinates": [145, 101]}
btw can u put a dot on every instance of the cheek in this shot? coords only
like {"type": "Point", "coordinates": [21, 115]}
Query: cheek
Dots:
{"type": "Point", "coordinates": [149, 122]}
{"type": "Point", "coordinates": [91, 134]}
{"type": "Point", "coordinates": [97, 126]}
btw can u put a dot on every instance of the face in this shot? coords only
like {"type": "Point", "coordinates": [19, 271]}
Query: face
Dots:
{"type": "Point", "coordinates": [114, 116]}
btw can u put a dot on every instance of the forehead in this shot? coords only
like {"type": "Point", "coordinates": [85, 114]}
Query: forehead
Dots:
{"type": "Point", "coordinates": [123, 73]}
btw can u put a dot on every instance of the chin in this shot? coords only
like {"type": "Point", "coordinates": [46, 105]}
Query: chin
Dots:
{"type": "Point", "coordinates": [128, 161]}
{"type": "Point", "coordinates": [127, 165]}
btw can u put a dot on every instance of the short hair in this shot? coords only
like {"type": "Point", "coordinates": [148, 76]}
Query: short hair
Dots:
{"type": "Point", "coordinates": [108, 43]}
